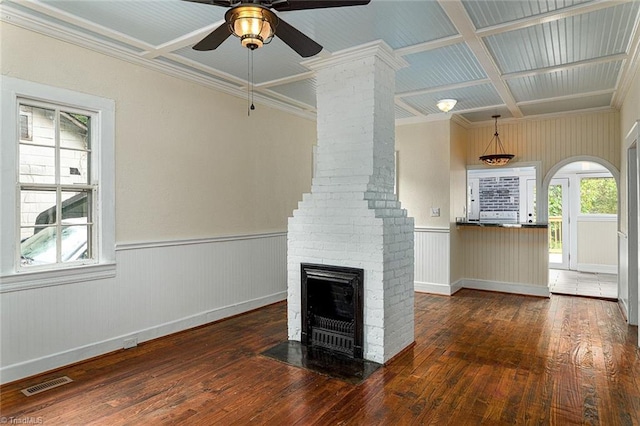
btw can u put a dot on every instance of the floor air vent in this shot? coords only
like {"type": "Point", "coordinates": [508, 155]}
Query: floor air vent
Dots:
{"type": "Point", "coordinates": [41, 387]}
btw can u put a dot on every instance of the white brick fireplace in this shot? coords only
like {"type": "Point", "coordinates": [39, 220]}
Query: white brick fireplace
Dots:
{"type": "Point", "coordinates": [352, 217]}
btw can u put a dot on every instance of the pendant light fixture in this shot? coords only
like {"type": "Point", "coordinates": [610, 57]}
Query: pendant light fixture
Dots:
{"type": "Point", "coordinates": [500, 157]}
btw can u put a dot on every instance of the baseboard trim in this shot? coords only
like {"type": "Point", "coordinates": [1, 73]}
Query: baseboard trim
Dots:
{"type": "Point", "coordinates": [32, 367]}
{"type": "Point", "coordinates": [505, 287]}
{"type": "Point", "coordinates": [624, 309]}
{"type": "Point", "coordinates": [437, 288]}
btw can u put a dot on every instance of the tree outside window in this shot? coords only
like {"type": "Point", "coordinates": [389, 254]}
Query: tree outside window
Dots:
{"type": "Point", "coordinates": [598, 195]}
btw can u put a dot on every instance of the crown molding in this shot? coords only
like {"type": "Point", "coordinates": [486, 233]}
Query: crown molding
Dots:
{"type": "Point", "coordinates": [13, 16]}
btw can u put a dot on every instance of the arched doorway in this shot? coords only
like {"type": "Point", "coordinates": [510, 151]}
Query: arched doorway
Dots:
{"type": "Point", "coordinates": [583, 206]}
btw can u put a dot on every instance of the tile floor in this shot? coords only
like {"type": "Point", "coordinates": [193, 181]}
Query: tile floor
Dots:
{"type": "Point", "coordinates": [583, 284]}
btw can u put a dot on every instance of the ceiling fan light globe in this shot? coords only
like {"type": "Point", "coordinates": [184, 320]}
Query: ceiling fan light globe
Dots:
{"type": "Point", "coordinates": [253, 25]}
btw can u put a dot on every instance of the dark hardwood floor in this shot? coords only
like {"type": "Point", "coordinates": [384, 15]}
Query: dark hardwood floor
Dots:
{"type": "Point", "coordinates": [479, 358]}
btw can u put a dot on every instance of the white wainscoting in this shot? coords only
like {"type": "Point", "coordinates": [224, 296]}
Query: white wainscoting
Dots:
{"type": "Point", "coordinates": [159, 289]}
{"type": "Point", "coordinates": [432, 265]}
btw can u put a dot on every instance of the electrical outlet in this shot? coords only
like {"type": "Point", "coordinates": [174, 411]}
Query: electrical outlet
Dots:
{"type": "Point", "coordinates": [130, 343]}
{"type": "Point", "coordinates": [435, 211]}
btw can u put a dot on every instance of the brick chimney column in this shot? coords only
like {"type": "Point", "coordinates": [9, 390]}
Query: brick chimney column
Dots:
{"type": "Point", "coordinates": [352, 217]}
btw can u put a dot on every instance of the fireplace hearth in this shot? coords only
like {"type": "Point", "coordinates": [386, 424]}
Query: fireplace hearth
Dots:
{"type": "Point", "coordinates": [332, 308]}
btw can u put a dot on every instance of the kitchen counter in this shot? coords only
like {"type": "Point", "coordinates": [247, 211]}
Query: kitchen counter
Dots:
{"type": "Point", "coordinates": [502, 225]}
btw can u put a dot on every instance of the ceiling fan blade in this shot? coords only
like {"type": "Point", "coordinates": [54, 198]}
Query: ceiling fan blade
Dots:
{"type": "Point", "coordinates": [315, 4]}
{"type": "Point", "coordinates": [297, 40]}
{"type": "Point", "coordinates": [223, 3]}
{"type": "Point", "coordinates": [214, 39]}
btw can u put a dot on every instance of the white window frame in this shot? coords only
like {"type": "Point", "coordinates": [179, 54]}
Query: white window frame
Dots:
{"type": "Point", "coordinates": [578, 195]}
{"type": "Point", "coordinates": [11, 277]}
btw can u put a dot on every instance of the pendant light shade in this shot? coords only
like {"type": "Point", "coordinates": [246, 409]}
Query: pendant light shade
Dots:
{"type": "Point", "coordinates": [499, 157]}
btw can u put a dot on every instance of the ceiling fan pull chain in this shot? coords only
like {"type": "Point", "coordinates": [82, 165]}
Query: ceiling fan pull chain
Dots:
{"type": "Point", "coordinates": [252, 88]}
{"type": "Point", "coordinates": [248, 82]}
{"type": "Point", "coordinates": [250, 106]}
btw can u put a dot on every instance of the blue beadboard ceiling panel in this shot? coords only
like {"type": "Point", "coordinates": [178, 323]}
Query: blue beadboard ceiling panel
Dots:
{"type": "Point", "coordinates": [154, 22]}
{"type": "Point", "coordinates": [489, 13]}
{"type": "Point", "coordinates": [225, 59]}
{"type": "Point", "coordinates": [585, 102]}
{"type": "Point", "coordinates": [483, 95]}
{"type": "Point", "coordinates": [398, 23]}
{"type": "Point", "coordinates": [567, 82]}
{"type": "Point", "coordinates": [402, 113]}
{"type": "Point", "coordinates": [445, 66]}
{"type": "Point", "coordinates": [578, 38]}
{"type": "Point", "coordinates": [303, 91]}
{"type": "Point", "coordinates": [516, 58]}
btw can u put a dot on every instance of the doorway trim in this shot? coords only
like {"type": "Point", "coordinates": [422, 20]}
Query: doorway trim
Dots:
{"type": "Point", "coordinates": [629, 265]}
{"type": "Point", "coordinates": [563, 182]}
{"type": "Point", "coordinates": [544, 201]}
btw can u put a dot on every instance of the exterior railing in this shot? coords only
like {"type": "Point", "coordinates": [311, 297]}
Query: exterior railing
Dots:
{"type": "Point", "coordinates": [555, 234]}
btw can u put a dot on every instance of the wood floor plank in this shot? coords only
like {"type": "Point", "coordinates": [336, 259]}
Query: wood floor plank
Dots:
{"type": "Point", "coordinates": [478, 358]}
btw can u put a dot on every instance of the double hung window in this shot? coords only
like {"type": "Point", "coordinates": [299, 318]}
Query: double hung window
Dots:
{"type": "Point", "coordinates": [56, 187]}
{"type": "Point", "coordinates": [57, 217]}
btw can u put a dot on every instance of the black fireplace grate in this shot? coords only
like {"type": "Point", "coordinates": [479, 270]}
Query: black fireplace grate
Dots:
{"type": "Point", "coordinates": [334, 324]}
{"type": "Point", "coordinates": [333, 334]}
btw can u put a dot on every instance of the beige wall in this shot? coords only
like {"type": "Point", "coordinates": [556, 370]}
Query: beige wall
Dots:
{"type": "Point", "coordinates": [423, 170]}
{"type": "Point", "coordinates": [552, 140]}
{"type": "Point", "coordinates": [189, 162]}
{"type": "Point", "coordinates": [458, 196]}
{"type": "Point", "coordinates": [629, 114]}
{"type": "Point", "coordinates": [597, 242]}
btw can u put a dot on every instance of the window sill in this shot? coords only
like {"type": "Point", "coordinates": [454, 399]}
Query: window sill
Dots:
{"type": "Point", "coordinates": [30, 280]}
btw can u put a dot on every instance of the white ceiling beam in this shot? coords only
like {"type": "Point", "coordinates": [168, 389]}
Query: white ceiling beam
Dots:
{"type": "Point", "coordinates": [180, 42]}
{"type": "Point", "coordinates": [628, 69]}
{"type": "Point", "coordinates": [429, 45]}
{"type": "Point", "coordinates": [402, 104]}
{"type": "Point", "coordinates": [566, 97]}
{"type": "Point", "coordinates": [286, 80]}
{"type": "Point", "coordinates": [555, 15]}
{"type": "Point", "coordinates": [445, 88]}
{"type": "Point", "coordinates": [458, 15]}
{"type": "Point", "coordinates": [565, 67]}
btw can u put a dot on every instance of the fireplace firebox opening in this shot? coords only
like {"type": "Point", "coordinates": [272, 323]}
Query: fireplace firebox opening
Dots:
{"type": "Point", "coordinates": [332, 308]}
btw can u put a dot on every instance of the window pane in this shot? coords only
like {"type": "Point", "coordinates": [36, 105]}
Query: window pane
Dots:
{"type": "Point", "coordinates": [74, 242]}
{"type": "Point", "coordinates": [26, 129]}
{"type": "Point", "coordinates": [37, 164]}
{"type": "Point", "coordinates": [42, 124]}
{"type": "Point", "coordinates": [36, 208]}
{"type": "Point", "coordinates": [598, 195]}
{"type": "Point", "coordinates": [74, 167]}
{"type": "Point", "coordinates": [75, 205]}
{"type": "Point", "coordinates": [40, 248]}
{"type": "Point", "coordinates": [74, 130]}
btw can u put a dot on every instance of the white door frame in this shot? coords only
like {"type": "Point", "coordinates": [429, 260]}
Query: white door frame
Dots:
{"type": "Point", "coordinates": [633, 224]}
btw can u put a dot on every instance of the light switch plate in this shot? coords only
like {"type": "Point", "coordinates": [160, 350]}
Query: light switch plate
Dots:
{"type": "Point", "coordinates": [435, 211]}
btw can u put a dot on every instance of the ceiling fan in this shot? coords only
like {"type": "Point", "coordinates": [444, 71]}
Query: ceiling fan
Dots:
{"type": "Point", "coordinates": [255, 24]}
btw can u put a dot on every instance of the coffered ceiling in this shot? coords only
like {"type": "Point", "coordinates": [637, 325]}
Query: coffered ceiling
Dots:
{"type": "Point", "coordinates": [511, 57]}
